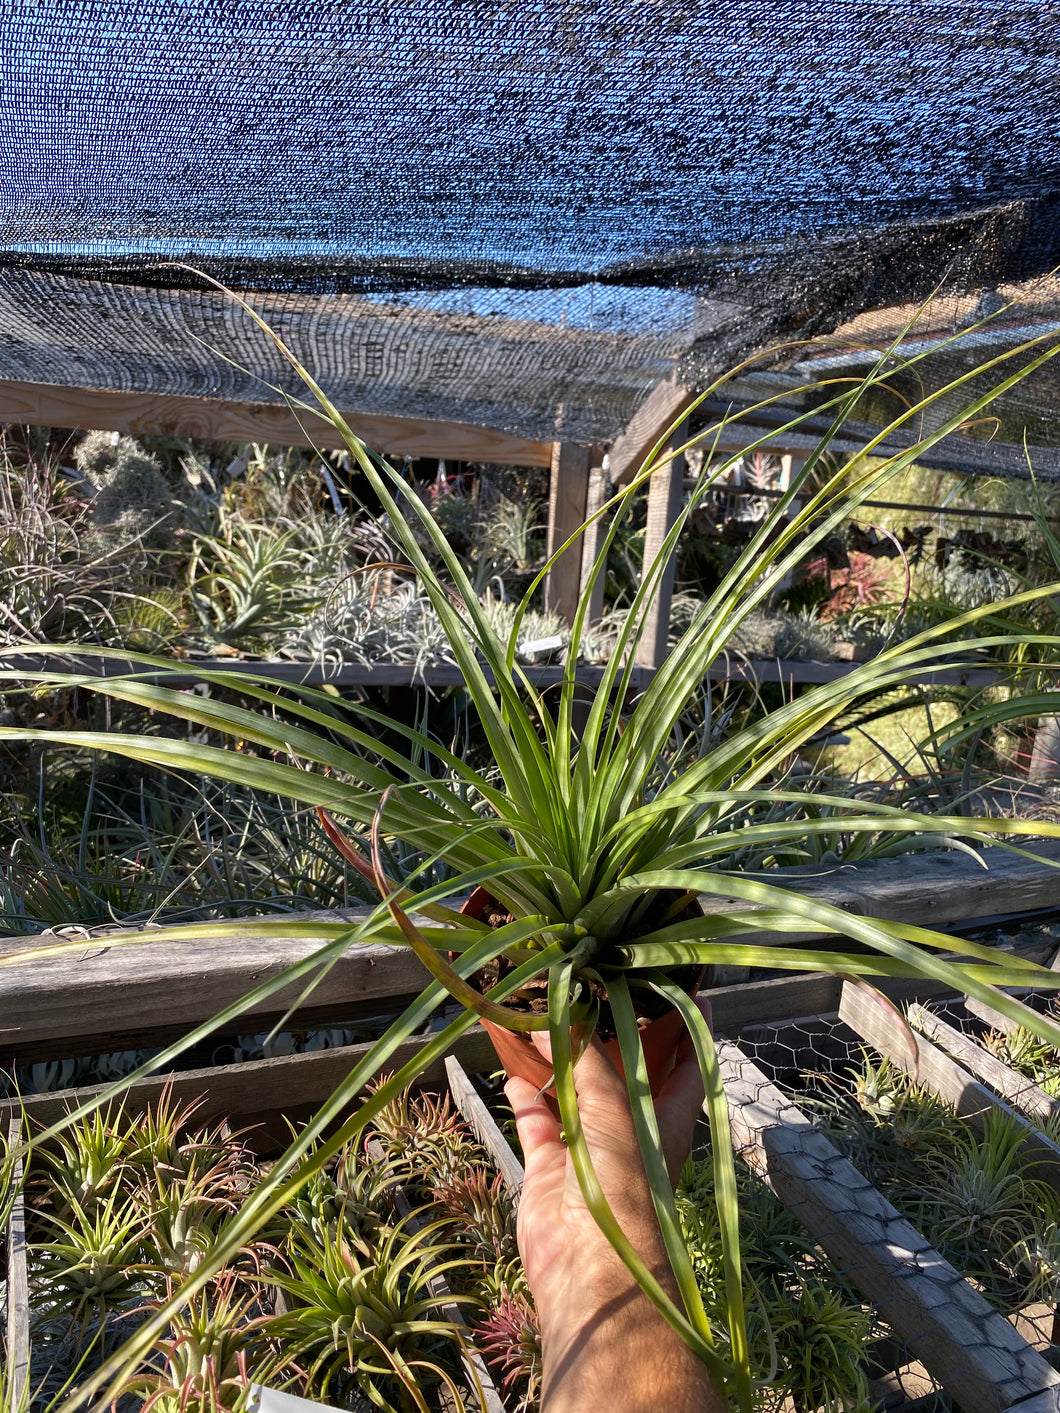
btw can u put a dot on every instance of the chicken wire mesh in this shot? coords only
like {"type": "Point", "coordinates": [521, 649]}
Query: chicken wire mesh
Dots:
{"type": "Point", "coordinates": [877, 1169]}
{"type": "Point", "coordinates": [524, 216]}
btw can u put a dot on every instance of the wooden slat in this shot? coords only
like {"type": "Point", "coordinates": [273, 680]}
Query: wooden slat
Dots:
{"type": "Point", "coordinates": [102, 988]}
{"type": "Point", "coordinates": [287, 1084]}
{"type": "Point", "coordinates": [1048, 1401]}
{"type": "Point", "coordinates": [649, 424]}
{"type": "Point", "coordinates": [97, 991]}
{"type": "Point", "coordinates": [665, 494]}
{"type": "Point", "coordinates": [154, 414]}
{"type": "Point", "coordinates": [994, 1019]}
{"type": "Point", "coordinates": [924, 1061]}
{"type": "Point", "coordinates": [1015, 1089]}
{"type": "Point", "coordinates": [18, 1345]}
{"type": "Point", "coordinates": [976, 1355]}
{"type": "Point", "coordinates": [567, 500]}
{"type": "Point", "coordinates": [483, 1125]}
{"type": "Point", "coordinates": [390, 674]}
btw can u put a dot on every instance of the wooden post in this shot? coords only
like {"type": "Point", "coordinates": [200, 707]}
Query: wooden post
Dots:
{"type": "Point", "coordinates": [567, 496]}
{"type": "Point", "coordinates": [18, 1352]}
{"type": "Point", "coordinates": [665, 493]}
{"type": "Point", "coordinates": [599, 490]}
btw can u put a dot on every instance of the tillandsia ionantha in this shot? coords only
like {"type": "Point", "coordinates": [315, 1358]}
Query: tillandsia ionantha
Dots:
{"type": "Point", "coordinates": [590, 848]}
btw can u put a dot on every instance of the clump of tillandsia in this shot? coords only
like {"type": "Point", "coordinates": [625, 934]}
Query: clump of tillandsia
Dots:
{"type": "Point", "coordinates": [587, 841]}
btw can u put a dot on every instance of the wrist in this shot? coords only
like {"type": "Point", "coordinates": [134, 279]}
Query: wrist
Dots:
{"type": "Point", "coordinates": [586, 1343]}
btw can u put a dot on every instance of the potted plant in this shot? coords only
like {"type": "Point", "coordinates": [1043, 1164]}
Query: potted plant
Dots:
{"type": "Point", "coordinates": [593, 846]}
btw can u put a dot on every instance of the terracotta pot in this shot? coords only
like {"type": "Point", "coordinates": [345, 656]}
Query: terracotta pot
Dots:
{"type": "Point", "coordinates": [521, 1058]}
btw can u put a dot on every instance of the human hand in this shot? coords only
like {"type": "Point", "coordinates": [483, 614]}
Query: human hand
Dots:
{"type": "Point", "coordinates": [591, 1310]}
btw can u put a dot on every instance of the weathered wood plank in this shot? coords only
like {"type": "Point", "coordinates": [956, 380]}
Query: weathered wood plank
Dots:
{"type": "Point", "coordinates": [981, 1361]}
{"type": "Point", "coordinates": [665, 494]}
{"type": "Point", "coordinates": [391, 674]}
{"type": "Point", "coordinates": [994, 1019]}
{"type": "Point", "coordinates": [1015, 1088]}
{"type": "Point", "coordinates": [157, 414]}
{"type": "Point", "coordinates": [112, 988]}
{"type": "Point", "coordinates": [285, 1084]}
{"type": "Point", "coordinates": [1048, 1401]}
{"type": "Point", "coordinates": [943, 1076]}
{"type": "Point", "coordinates": [662, 408]}
{"type": "Point", "coordinates": [567, 500]}
{"type": "Point", "coordinates": [101, 988]}
{"type": "Point", "coordinates": [483, 1124]}
{"type": "Point", "coordinates": [596, 498]}
{"type": "Point", "coordinates": [18, 1346]}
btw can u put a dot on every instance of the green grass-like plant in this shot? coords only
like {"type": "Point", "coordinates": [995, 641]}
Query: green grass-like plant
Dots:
{"type": "Point", "coordinates": [590, 843]}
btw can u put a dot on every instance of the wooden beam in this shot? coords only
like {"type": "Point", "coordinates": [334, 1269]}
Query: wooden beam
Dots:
{"type": "Point", "coordinates": [1015, 1089]}
{"type": "Point", "coordinates": [391, 674]}
{"type": "Point", "coordinates": [285, 1084]}
{"type": "Point", "coordinates": [483, 1125]}
{"type": "Point", "coordinates": [158, 414]}
{"type": "Point", "coordinates": [649, 424]}
{"type": "Point", "coordinates": [665, 495]}
{"type": "Point", "coordinates": [62, 996]}
{"type": "Point", "coordinates": [567, 497]}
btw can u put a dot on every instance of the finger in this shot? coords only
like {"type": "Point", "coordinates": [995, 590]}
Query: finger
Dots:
{"type": "Point", "coordinates": [538, 1130]}
{"type": "Point", "coordinates": [542, 1041]}
{"type": "Point", "coordinates": [679, 1103]}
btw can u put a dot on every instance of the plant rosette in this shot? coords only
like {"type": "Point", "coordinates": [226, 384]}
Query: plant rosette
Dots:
{"type": "Point", "coordinates": [660, 1029]}
{"type": "Point", "coordinates": [578, 833]}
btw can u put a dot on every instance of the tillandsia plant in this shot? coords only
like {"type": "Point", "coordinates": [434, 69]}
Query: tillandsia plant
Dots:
{"type": "Point", "coordinates": [591, 848]}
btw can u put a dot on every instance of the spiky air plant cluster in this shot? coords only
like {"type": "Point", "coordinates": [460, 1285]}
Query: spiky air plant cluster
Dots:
{"type": "Point", "coordinates": [336, 1298]}
{"type": "Point", "coordinates": [580, 828]}
{"type": "Point", "coordinates": [437, 1160]}
{"type": "Point", "coordinates": [975, 1193]}
{"type": "Point", "coordinates": [808, 1330]}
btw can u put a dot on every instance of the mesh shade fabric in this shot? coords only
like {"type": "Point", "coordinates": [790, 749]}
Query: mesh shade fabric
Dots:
{"type": "Point", "coordinates": [522, 216]}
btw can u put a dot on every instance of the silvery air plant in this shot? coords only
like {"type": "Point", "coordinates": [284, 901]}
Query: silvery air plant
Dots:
{"type": "Point", "coordinates": [590, 854]}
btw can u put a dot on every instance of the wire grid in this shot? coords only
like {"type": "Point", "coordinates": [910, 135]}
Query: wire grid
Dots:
{"type": "Point", "coordinates": [809, 1089]}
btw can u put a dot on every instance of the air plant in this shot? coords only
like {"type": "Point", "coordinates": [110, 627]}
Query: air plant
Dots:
{"type": "Point", "coordinates": [368, 1322]}
{"type": "Point", "coordinates": [510, 1338]}
{"type": "Point", "coordinates": [214, 1347]}
{"type": "Point", "coordinates": [823, 1338]}
{"type": "Point", "coordinates": [588, 845]}
{"type": "Point", "coordinates": [424, 1138]}
{"type": "Point", "coordinates": [483, 1217]}
{"type": "Point", "coordinates": [86, 1162]}
{"type": "Point", "coordinates": [94, 1259]}
{"type": "Point", "coordinates": [977, 1201]}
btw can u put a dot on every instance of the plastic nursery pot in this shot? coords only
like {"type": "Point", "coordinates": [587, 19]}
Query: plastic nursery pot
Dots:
{"type": "Point", "coordinates": [522, 1060]}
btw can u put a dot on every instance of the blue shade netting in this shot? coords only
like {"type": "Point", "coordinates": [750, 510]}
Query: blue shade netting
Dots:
{"type": "Point", "coordinates": [624, 188]}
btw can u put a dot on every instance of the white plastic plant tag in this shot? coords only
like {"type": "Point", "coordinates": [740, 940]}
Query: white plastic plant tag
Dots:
{"type": "Point", "coordinates": [542, 645]}
{"type": "Point", "coordinates": [270, 1400]}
